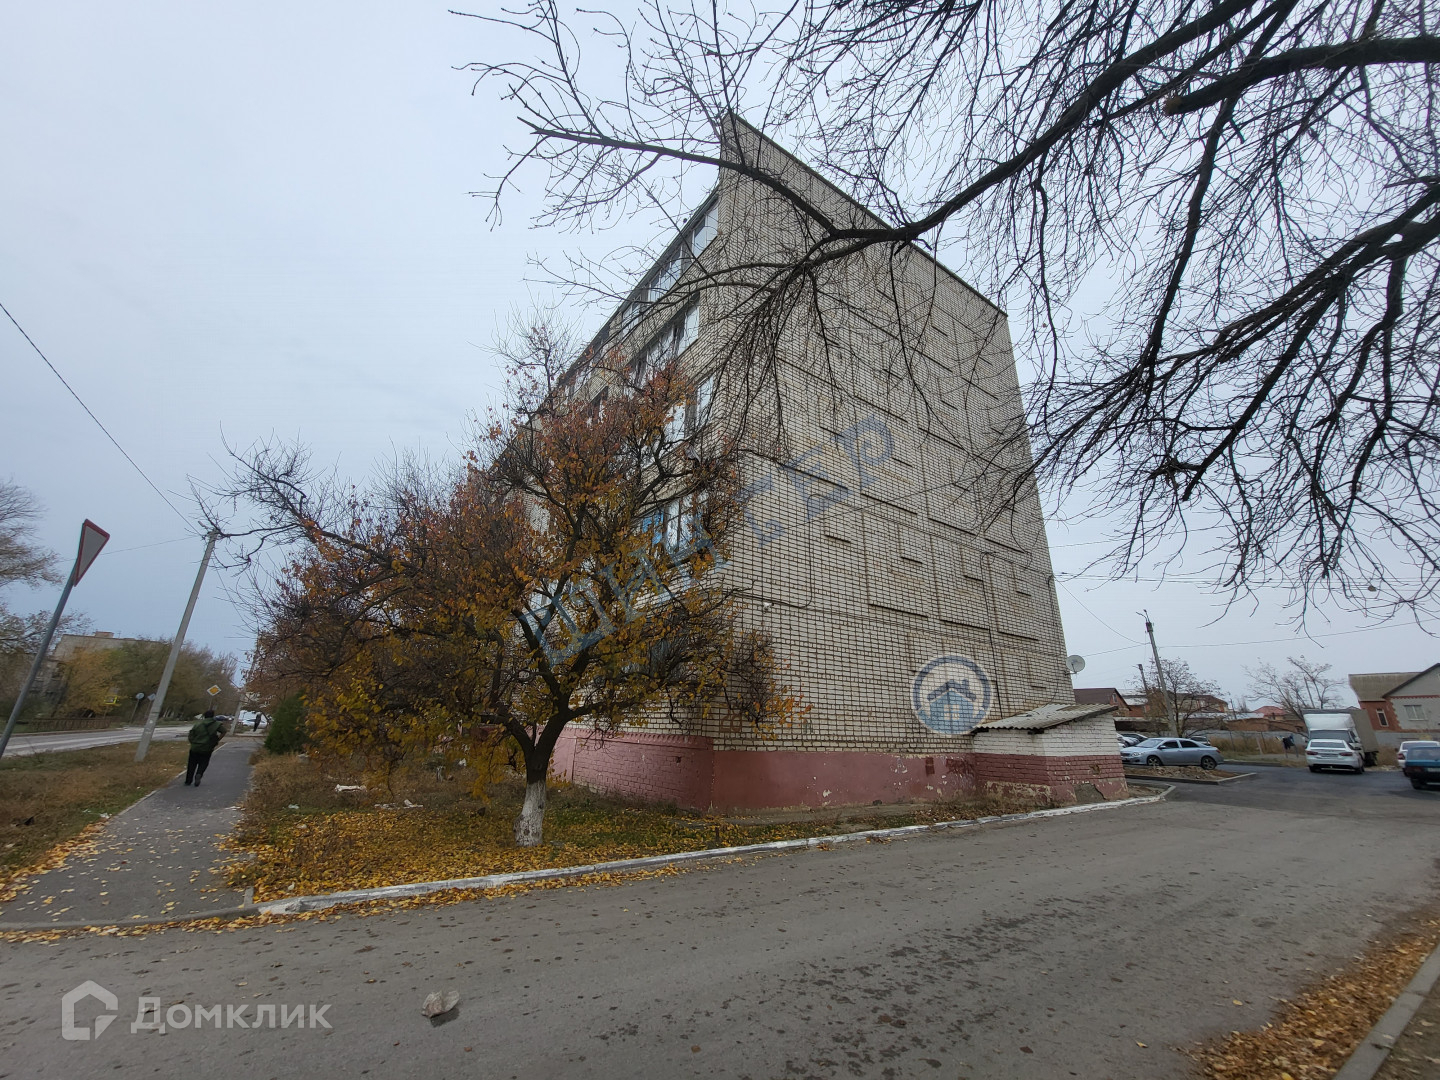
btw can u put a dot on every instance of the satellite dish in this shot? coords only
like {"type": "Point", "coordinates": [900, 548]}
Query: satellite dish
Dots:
{"type": "Point", "coordinates": [1074, 664]}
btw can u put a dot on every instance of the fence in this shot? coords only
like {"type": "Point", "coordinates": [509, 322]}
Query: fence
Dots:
{"type": "Point", "coordinates": [1240, 743]}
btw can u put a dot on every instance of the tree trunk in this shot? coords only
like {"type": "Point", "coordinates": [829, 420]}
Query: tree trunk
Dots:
{"type": "Point", "coordinates": [531, 822]}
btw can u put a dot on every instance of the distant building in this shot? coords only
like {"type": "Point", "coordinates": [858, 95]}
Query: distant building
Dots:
{"type": "Point", "coordinates": [1265, 718]}
{"type": "Point", "coordinates": [1103, 695]}
{"type": "Point", "coordinates": [1400, 704]}
{"type": "Point", "coordinates": [70, 647]}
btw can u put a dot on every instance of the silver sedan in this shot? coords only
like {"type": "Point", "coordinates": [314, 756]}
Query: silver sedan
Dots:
{"type": "Point", "coordinates": [1171, 752]}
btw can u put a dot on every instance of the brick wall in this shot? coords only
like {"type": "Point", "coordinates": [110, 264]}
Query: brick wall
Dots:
{"type": "Point", "coordinates": [661, 768]}
{"type": "Point", "coordinates": [883, 529]}
{"type": "Point", "coordinates": [690, 772]}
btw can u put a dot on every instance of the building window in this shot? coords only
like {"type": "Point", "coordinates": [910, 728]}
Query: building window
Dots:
{"type": "Point", "coordinates": [1415, 712]}
{"type": "Point", "coordinates": [675, 424]}
{"type": "Point", "coordinates": [704, 229]}
{"type": "Point", "coordinates": [668, 272]}
{"type": "Point", "coordinates": [674, 339]}
{"type": "Point", "coordinates": [700, 410]}
{"type": "Point", "coordinates": [1380, 715]}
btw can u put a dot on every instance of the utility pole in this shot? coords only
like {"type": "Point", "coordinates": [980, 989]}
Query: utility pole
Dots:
{"type": "Point", "coordinates": [1169, 699]}
{"type": "Point", "coordinates": [92, 539]}
{"type": "Point", "coordinates": [159, 703]}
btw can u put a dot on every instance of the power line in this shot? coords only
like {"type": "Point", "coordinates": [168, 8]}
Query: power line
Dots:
{"type": "Point", "coordinates": [92, 416]}
{"type": "Point", "coordinates": [1097, 618]}
{"type": "Point", "coordinates": [1234, 644]}
{"type": "Point", "coordinates": [142, 547]}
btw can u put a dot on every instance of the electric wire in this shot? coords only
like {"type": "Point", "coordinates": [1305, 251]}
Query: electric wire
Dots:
{"type": "Point", "coordinates": [92, 416]}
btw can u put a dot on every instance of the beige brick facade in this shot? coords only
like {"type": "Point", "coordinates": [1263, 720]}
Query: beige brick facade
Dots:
{"type": "Point", "coordinates": [890, 522]}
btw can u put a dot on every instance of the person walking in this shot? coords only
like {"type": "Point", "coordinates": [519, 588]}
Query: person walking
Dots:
{"type": "Point", "coordinates": [204, 737]}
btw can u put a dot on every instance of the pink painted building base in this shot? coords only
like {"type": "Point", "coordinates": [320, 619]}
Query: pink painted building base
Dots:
{"type": "Point", "coordinates": [689, 772]}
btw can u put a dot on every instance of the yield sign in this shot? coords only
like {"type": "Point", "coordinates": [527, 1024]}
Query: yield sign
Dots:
{"type": "Point", "coordinates": [92, 539]}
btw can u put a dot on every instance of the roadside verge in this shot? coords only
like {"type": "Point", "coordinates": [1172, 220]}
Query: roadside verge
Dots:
{"type": "Point", "coordinates": [302, 904]}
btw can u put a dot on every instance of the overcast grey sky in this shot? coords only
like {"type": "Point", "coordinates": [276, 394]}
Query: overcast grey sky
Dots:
{"type": "Point", "coordinates": [253, 219]}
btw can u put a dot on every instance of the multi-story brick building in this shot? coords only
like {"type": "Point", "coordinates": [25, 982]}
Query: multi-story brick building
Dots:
{"type": "Point", "coordinates": [894, 548]}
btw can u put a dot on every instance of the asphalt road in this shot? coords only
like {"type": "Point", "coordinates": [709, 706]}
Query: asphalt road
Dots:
{"type": "Point", "coordinates": [1089, 946]}
{"type": "Point", "coordinates": [22, 745]}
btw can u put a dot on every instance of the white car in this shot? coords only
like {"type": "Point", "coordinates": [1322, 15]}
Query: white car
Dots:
{"type": "Point", "coordinates": [1405, 747]}
{"type": "Point", "coordinates": [1333, 754]}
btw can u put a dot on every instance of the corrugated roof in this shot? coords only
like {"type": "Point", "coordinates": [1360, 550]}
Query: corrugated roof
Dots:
{"type": "Point", "coordinates": [1046, 716]}
{"type": "Point", "coordinates": [1374, 685]}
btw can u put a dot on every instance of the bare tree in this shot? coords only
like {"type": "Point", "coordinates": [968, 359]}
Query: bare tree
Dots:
{"type": "Point", "coordinates": [1299, 686]}
{"type": "Point", "coordinates": [1197, 701]}
{"type": "Point", "coordinates": [22, 562]}
{"type": "Point", "coordinates": [1245, 194]}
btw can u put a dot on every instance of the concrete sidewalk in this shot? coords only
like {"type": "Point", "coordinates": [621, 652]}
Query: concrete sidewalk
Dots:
{"type": "Point", "coordinates": [1415, 1054]}
{"type": "Point", "coordinates": [155, 858]}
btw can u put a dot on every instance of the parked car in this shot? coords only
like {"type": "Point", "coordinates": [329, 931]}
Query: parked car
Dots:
{"type": "Point", "coordinates": [1422, 763]}
{"type": "Point", "coordinates": [1125, 738]}
{"type": "Point", "coordinates": [1171, 752]}
{"type": "Point", "coordinates": [1407, 744]}
{"type": "Point", "coordinates": [1334, 754]}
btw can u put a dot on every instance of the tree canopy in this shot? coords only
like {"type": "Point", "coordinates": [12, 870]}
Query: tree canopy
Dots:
{"type": "Point", "coordinates": [565, 572]}
{"type": "Point", "coordinates": [1216, 224]}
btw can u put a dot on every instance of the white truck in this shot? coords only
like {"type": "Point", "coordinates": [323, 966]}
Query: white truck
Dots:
{"type": "Point", "coordinates": [1352, 725]}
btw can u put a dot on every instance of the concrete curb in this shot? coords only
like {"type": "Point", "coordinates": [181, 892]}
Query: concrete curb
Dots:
{"type": "Point", "coordinates": [1191, 780]}
{"type": "Point", "coordinates": [1365, 1062]}
{"type": "Point", "coordinates": [297, 904]}
{"type": "Point", "coordinates": [684, 858]}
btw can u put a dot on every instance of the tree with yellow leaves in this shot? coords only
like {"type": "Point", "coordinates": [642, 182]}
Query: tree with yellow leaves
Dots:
{"type": "Point", "coordinates": [570, 571]}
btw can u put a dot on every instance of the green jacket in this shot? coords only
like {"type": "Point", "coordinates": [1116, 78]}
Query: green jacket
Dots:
{"type": "Point", "coordinates": [206, 735]}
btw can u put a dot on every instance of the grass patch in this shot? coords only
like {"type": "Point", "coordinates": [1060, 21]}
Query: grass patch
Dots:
{"type": "Point", "coordinates": [46, 799]}
{"type": "Point", "coordinates": [298, 835]}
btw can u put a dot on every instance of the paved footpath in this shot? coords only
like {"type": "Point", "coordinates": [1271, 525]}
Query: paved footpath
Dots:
{"type": "Point", "coordinates": [154, 858]}
{"type": "Point", "coordinates": [1089, 946]}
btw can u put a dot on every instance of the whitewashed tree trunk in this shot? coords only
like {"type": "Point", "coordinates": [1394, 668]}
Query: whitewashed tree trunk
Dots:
{"type": "Point", "coordinates": [531, 822]}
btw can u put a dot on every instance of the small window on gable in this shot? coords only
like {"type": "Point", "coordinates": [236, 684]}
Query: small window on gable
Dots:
{"type": "Point", "coordinates": [1384, 720]}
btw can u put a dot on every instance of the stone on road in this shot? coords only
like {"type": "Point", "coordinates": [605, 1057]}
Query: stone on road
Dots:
{"type": "Point", "coordinates": [155, 858]}
{"type": "Point", "coordinates": [1091, 946]}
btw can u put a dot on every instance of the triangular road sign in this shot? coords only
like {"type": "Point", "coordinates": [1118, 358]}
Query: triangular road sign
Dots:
{"type": "Point", "coordinates": [92, 539]}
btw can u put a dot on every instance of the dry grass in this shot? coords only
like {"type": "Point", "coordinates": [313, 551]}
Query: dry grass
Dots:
{"type": "Point", "coordinates": [299, 835]}
{"type": "Point", "coordinates": [1313, 1035]}
{"type": "Point", "coordinates": [46, 799]}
